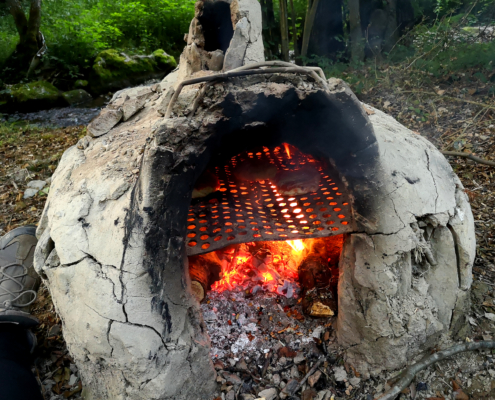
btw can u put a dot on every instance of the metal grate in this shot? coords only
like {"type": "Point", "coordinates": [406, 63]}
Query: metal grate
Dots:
{"type": "Point", "coordinates": [254, 211]}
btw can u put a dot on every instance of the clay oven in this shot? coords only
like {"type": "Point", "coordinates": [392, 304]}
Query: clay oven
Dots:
{"type": "Point", "coordinates": [121, 220]}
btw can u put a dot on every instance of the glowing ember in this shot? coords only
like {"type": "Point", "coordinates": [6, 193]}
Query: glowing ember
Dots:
{"type": "Point", "coordinates": [268, 266]}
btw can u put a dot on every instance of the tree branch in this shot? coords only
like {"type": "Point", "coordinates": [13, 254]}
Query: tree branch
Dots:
{"type": "Point", "coordinates": [409, 374]}
{"type": "Point", "coordinates": [469, 156]}
{"type": "Point", "coordinates": [21, 23]}
{"type": "Point", "coordinates": [34, 23]}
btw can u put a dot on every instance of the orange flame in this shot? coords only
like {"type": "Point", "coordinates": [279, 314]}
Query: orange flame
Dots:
{"type": "Point", "coordinates": [287, 149]}
{"type": "Point", "coordinates": [297, 245]}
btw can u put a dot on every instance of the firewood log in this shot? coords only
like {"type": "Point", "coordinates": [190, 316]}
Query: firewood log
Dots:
{"type": "Point", "coordinates": [203, 273]}
{"type": "Point", "coordinates": [318, 299]}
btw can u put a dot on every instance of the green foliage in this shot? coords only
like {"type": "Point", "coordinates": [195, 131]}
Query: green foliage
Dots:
{"type": "Point", "coordinates": [77, 30]}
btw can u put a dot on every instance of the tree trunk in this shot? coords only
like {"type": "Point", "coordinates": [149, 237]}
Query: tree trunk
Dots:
{"type": "Point", "coordinates": [29, 38]}
{"type": "Point", "coordinates": [326, 38]}
{"type": "Point", "coordinates": [270, 30]}
{"type": "Point", "coordinates": [294, 34]}
{"type": "Point", "coordinates": [284, 29]}
{"type": "Point", "coordinates": [392, 31]}
{"type": "Point", "coordinates": [308, 25]}
{"type": "Point", "coordinates": [357, 45]}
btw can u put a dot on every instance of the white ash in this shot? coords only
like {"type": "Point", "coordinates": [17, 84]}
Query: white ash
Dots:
{"type": "Point", "coordinates": [248, 326]}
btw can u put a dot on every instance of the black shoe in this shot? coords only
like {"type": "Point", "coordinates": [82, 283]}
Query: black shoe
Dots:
{"type": "Point", "coordinates": [19, 282]}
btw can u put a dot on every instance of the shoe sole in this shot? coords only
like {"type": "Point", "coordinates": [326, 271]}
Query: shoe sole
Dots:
{"type": "Point", "coordinates": [22, 230]}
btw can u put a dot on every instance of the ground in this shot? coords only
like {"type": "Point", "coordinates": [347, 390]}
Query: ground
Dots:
{"type": "Point", "coordinates": [454, 114]}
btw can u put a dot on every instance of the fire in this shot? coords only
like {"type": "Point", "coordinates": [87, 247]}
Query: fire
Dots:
{"type": "Point", "coordinates": [287, 150]}
{"type": "Point", "coordinates": [297, 245]}
{"type": "Point", "coordinates": [270, 266]}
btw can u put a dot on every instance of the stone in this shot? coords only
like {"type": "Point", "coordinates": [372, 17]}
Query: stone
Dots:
{"type": "Point", "coordinates": [234, 57]}
{"type": "Point", "coordinates": [299, 358]}
{"type": "Point", "coordinates": [81, 83]}
{"type": "Point", "coordinates": [38, 185]}
{"type": "Point", "coordinates": [230, 395]}
{"type": "Point", "coordinates": [276, 379]}
{"type": "Point", "coordinates": [113, 70]}
{"type": "Point", "coordinates": [102, 124]}
{"type": "Point", "coordinates": [268, 394]}
{"type": "Point", "coordinates": [355, 381]}
{"type": "Point", "coordinates": [314, 378]}
{"type": "Point", "coordinates": [77, 96]}
{"type": "Point", "coordinates": [340, 374]}
{"type": "Point", "coordinates": [27, 97]}
{"type": "Point", "coordinates": [28, 193]}
{"type": "Point", "coordinates": [215, 63]}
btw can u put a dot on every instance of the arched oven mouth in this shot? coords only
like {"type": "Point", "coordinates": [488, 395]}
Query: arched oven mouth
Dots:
{"type": "Point", "coordinates": [269, 222]}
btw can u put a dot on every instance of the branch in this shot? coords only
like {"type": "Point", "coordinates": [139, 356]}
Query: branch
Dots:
{"type": "Point", "coordinates": [451, 98]}
{"type": "Point", "coordinates": [410, 373]}
{"type": "Point", "coordinates": [34, 23]}
{"type": "Point", "coordinates": [21, 23]}
{"type": "Point", "coordinates": [311, 371]}
{"type": "Point", "coordinates": [469, 156]}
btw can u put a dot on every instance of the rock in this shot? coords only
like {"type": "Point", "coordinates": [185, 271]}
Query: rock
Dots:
{"type": "Point", "coordinates": [289, 389]}
{"type": "Point", "coordinates": [294, 372]}
{"type": "Point", "coordinates": [77, 96]}
{"type": "Point", "coordinates": [314, 378]}
{"type": "Point", "coordinates": [355, 381]}
{"type": "Point", "coordinates": [276, 379]}
{"type": "Point", "coordinates": [113, 70]}
{"type": "Point", "coordinates": [299, 358]}
{"type": "Point", "coordinates": [28, 193]}
{"type": "Point", "coordinates": [31, 96]}
{"type": "Point", "coordinates": [247, 396]}
{"type": "Point", "coordinates": [215, 63]}
{"type": "Point", "coordinates": [230, 395]}
{"type": "Point", "coordinates": [20, 175]}
{"type": "Point", "coordinates": [340, 374]}
{"type": "Point", "coordinates": [234, 57]}
{"type": "Point", "coordinates": [73, 379]}
{"type": "Point", "coordinates": [421, 386]}
{"type": "Point", "coordinates": [36, 185]}
{"type": "Point", "coordinates": [268, 394]}
{"type": "Point", "coordinates": [81, 83]}
{"type": "Point", "coordinates": [232, 378]}
{"type": "Point", "coordinates": [102, 124]}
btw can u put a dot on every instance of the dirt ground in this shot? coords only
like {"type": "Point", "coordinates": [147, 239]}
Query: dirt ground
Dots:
{"type": "Point", "coordinates": [455, 115]}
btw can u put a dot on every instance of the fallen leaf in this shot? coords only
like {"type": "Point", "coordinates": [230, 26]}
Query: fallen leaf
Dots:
{"type": "Point", "coordinates": [368, 111]}
{"type": "Point", "coordinates": [472, 91]}
{"type": "Point", "coordinates": [287, 352]}
{"type": "Point", "coordinates": [386, 104]}
{"type": "Point", "coordinates": [440, 92]}
{"type": "Point", "coordinates": [472, 321]}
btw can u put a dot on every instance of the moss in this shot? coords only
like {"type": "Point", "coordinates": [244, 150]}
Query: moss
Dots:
{"type": "Point", "coordinates": [113, 70]}
{"type": "Point", "coordinates": [80, 83]}
{"type": "Point", "coordinates": [77, 96]}
{"type": "Point", "coordinates": [33, 95]}
{"type": "Point", "coordinates": [164, 60]}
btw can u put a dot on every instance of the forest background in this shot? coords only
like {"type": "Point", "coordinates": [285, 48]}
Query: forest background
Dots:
{"type": "Point", "coordinates": [440, 37]}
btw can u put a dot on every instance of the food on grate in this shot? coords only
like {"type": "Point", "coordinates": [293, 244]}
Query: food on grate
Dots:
{"type": "Point", "coordinates": [255, 170]}
{"type": "Point", "coordinates": [206, 184]}
{"type": "Point", "coordinates": [302, 181]}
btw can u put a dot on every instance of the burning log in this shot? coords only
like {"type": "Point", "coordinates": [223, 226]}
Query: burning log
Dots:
{"type": "Point", "coordinates": [318, 299]}
{"type": "Point", "coordinates": [203, 273]}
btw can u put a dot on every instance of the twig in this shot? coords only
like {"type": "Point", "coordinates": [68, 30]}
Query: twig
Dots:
{"type": "Point", "coordinates": [470, 156]}
{"type": "Point", "coordinates": [452, 98]}
{"type": "Point", "coordinates": [311, 372]}
{"type": "Point", "coordinates": [410, 373]}
{"type": "Point", "coordinates": [467, 126]}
